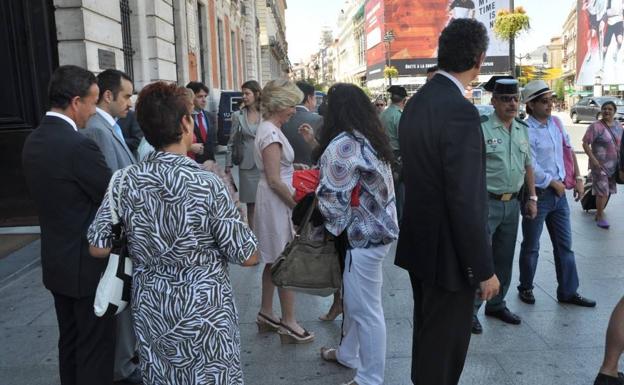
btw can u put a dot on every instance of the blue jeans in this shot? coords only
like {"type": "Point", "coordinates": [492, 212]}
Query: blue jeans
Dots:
{"type": "Point", "coordinates": [553, 210]}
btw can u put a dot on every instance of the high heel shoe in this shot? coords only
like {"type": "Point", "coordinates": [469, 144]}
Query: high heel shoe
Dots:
{"type": "Point", "coordinates": [289, 336]}
{"type": "Point", "coordinates": [266, 324]}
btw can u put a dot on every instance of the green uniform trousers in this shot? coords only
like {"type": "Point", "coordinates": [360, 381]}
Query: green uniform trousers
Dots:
{"type": "Point", "coordinates": [503, 219]}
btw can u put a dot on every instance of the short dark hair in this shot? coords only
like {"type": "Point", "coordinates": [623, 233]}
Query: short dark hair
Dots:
{"type": "Point", "coordinates": [432, 69]}
{"type": "Point", "coordinates": [198, 86]}
{"type": "Point", "coordinates": [609, 103]}
{"type": "Point", "coordinates": [394, 98]}
{"type": "Point", "coordinates": [306, 88]}
{"type": "Point", "coordinates": [66, 83]}
{"type": "Point", "coordinates": [461, 44]}
{"type": "Point", "coordinates": [110, 80]}
{"type": "Point", "coordinates": [159, 110]}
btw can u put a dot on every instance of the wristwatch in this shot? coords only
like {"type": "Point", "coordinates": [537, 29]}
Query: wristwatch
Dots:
{"type": "Point", "coordinates": [579, 178]}
{"type": "Point", "coordinates": [533, 198]}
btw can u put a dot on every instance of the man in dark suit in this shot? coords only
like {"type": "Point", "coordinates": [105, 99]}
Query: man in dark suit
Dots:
{"type": "Point", "coordinates": [303, 115]}
{"type": "Point", "coordinates": [131, 131]}
{"type": "Point", "coordinates": [203, 148]}
{"type": "Point", "coordinates": [444, 242]}
{"type": "Point", "coordinates": [67, 177]}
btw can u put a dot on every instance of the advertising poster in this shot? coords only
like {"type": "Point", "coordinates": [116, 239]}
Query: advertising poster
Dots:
{"type": "Point", "coordinates": [416, 25]}
{"type": "Point", "coordinates": [599, 35]}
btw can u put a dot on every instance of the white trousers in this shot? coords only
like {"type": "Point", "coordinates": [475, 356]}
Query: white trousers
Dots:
{"type": "Point", "coordinates": [363, 345]}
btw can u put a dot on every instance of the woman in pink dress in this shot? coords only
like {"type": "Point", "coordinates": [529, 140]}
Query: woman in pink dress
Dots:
{"type": "Point", "coordinates": [274, 202]}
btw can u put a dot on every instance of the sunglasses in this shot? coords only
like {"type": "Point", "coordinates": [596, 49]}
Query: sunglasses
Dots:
{"type": "Point", "coordinates": [508, 98]}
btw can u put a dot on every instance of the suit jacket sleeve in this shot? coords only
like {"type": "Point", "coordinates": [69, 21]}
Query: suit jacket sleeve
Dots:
{"type": "Point", "coordinates": [91, 172]}
{"type": "Point", "coordinates": [466, 193]}
{"type": "Point", "coordinates": [132, 132]}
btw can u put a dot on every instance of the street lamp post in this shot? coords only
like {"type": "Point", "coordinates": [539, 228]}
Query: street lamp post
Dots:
{"type": "Point", "coordinates": [520, 58]}
{"type": "Point", "coordinates": [388, 39]}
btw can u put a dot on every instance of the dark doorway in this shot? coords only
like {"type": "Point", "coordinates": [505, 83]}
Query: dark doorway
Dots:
{"type": "Point", "coordinates": [28, 49]}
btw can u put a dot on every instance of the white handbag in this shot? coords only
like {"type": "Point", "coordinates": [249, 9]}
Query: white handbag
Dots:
{"type": "Point", "coordinates": [114, 289]}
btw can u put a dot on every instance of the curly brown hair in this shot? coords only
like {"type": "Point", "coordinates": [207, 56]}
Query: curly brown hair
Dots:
{"type": "Point", "coordinates": [160, 109]}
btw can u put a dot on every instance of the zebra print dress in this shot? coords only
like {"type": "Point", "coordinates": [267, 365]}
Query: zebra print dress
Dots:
{"type": "Point", "coordinates": [182, 229]}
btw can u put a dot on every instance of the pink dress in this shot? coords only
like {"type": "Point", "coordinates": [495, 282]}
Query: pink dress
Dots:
{"type": "Point", "coordinates": [272, 220]}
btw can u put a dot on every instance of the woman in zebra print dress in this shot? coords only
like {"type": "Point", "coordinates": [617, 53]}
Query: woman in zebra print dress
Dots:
{"type": "Point", "coordinates": [182, 229]}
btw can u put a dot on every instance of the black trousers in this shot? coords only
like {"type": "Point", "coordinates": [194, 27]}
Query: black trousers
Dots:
{"type": "Point", "coordinates": [86, 342]}
{"type": "Point", "coordinates": [442, 322]}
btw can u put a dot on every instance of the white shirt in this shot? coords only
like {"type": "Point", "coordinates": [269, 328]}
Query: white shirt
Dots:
{"type": "Point", "coordinates": [109, 118]}
{"type": "Point", "coordinates": [64, 117]}
{"type": "Point", "coordinates": [454, 80]}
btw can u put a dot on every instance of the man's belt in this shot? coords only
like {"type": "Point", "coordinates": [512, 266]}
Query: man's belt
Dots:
{"type": "Point", "coordinates": [503, 197]}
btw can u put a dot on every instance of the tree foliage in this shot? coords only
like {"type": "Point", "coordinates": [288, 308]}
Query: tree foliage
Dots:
{"type": "Point", "coordinates": [509, 24]}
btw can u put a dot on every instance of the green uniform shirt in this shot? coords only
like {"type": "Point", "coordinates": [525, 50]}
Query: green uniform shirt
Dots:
{"type": "Point", "coordinates": [390, 120]}
{"type": "Point", "coordinates": [507, 154]}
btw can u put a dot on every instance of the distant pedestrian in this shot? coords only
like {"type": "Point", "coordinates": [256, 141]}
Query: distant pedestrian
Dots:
{"type": "Point", "coordinates": [547, 138]}
{"type": "Point", "coordinates": [507, 168]}
{"type": "Point", "coordinates": [114, 102]}
{"type": "Point", "coordinates": [390, 118]}
{"type": "Point", "coordinates": [602, 146]}
{"type": "Point", "coordinates": [274, 158]}
{"type": "Point", "coordinates": [380, 104]}
{"type": "Point", "coordinates": [204, 145]}
{"type": "Point", "coordinates": [183, 230]}
{"type": "Point", "coordinates": [354, 151]}
{"type": "Point", "coordinates": [67, 177]}
{"type": "Point", "coordinates": [444, 242]}
{"type": "Point", "coordinates": [246, 121]}
{"type": "Point", "coordinates": [304, 114]}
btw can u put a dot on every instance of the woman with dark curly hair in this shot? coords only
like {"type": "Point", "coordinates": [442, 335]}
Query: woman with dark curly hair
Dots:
{"type": "Point", "coordinates": [602, 144]}
{"type": "Point", "coordinates": [182, 229]}
{"type": "Point", "coordinates": [354, 151]}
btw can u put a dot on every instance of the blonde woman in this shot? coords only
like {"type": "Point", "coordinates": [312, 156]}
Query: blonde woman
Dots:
{"type": "Point", "coordinates": [274, 202]}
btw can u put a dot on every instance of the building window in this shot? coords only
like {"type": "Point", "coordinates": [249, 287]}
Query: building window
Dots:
{"type": "Point", "coordinates": [222, 58]}
{"type": "Point", "coordinates": [200, 34]}
{"type": "Point", "coordinates": [242, 55]}
{"type": "Point", "coordinates": [234, 58]}
{"type": "Point", "coordinates": [126, 37]}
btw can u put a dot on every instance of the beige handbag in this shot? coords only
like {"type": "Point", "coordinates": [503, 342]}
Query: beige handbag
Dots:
{"type": "Point", "coordinates": [308, 265]}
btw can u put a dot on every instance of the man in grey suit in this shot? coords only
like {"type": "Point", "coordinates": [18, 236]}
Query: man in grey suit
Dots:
{"type": "Point", "coordinates": [303, 114]}
{"type": "Point", "coordinates": [114, 102]}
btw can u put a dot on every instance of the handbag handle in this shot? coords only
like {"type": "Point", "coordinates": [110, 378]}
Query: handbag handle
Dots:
{"type": "Point", "coordinates": [115, 204]}
{"type": "Point", "coordinates": [304, 230]}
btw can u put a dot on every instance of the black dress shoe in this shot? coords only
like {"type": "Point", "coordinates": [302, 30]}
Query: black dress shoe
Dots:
{"type": "Point", "coordinates": [578, 300]}
{"type": "Point", "coordinates": [504, 315]}
{"type": "Point", "coordinates": [603, 379]}
{"type": "Point", "coordinates": [476, 325]}
{"type": "Point", "coordinates": [526, 296]}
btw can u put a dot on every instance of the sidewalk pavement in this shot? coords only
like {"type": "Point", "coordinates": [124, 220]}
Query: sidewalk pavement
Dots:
{"type": "Point", "coordinates": [555, 344]}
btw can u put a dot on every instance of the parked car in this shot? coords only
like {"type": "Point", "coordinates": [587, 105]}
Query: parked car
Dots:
{"type": "Point", "coordinates": [485, 109]}
{"type": "Point", "coordinates": [229, 102]}
{"type": "Point", "coordinates": [588, 108]}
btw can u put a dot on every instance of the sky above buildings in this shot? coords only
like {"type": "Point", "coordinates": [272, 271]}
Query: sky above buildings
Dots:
{"type": "Point", "coordinates": [304, 19]}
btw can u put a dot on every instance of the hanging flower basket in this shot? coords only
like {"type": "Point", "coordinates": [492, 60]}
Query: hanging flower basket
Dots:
{"type": "Point", "coordinates": [390, 72]}
{"type": "Point", "coordinates": [508, 25]}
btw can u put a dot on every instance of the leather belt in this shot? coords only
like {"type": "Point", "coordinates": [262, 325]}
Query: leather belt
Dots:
{"type": "Point", "coordinates": [503, 197]}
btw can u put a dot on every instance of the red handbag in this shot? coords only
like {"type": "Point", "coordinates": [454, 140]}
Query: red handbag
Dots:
{"type": "Point", "coordinates": [306, 181]}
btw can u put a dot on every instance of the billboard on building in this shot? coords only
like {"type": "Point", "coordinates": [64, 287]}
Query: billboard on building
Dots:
{"type": "Point", "coordinates": [599, 58]}
{"type": "Point", "coordinates": [416, 25]}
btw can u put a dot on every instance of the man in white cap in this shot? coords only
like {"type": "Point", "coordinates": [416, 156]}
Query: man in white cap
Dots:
{"type": "Point", "coordinates": [547, 138]}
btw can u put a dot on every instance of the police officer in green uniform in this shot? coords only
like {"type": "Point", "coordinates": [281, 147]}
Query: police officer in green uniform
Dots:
{"type": "Point", "coordinates": [390, 118]}
{"type": "Point", "coordinates": [508, 167]}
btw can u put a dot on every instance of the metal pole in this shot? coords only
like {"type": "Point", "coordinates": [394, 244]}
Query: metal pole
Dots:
{"type": "Point", "coordinates": [512, 48]}
{"type": "Point", "coordinates": [389, 61]}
